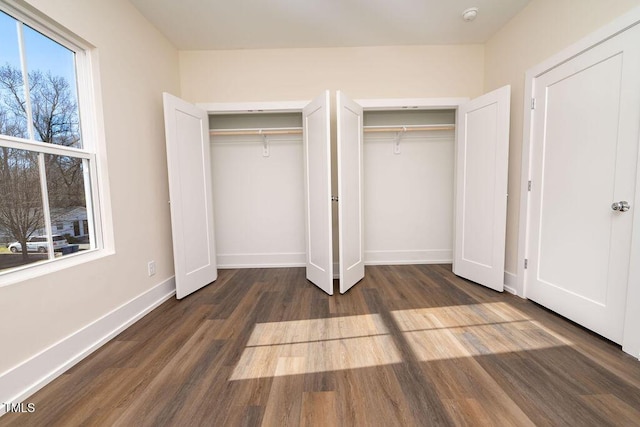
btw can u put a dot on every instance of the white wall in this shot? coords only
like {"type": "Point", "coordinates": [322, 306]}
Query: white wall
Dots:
{"type": "Point", "coordinates": [136, 65]}
{"type": "Point", "coordinates": [258, 201]}
{"type": "Point", "coordinates": [408, 198]}
{"type": "Point", "coordinates": [408, 195]}
{"type": "Point", "coordinates": [540, 30]}
{"type": "Point", "coordinates": [364, 72]}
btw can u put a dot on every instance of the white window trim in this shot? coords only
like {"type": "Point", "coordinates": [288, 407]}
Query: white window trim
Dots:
{"type": "Point", "coordinates": [93, 139]}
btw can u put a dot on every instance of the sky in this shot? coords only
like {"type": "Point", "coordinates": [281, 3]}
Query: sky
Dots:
{"type": "Point", "coordinates": [41, 52]}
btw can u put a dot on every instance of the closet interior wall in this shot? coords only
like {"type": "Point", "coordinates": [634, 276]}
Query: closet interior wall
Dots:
{"type": "Point", "coordinates": [258, 192]}
{"type": "Point", "coordinates": [408, 187]}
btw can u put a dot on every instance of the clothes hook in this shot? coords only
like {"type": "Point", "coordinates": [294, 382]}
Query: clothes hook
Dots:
{"type": "Point", "coordinates": [265, 145]}
{"type": "Point", "coordinates": [396, 142]}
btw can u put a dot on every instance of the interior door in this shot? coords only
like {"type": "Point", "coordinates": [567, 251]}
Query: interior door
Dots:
{"type": "Point", "coordinates": [481, 188]}
{"type": "Point", "coordinates": [317, 176]}
{"type": "Point", "coordinates": [350, 152]}
{"type": "Point", "coordinates": [187, 135]}
{"type": "Point", "coordinates": [584, 157]}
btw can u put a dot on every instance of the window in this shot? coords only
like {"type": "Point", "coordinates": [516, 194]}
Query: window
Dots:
{"type": "Point", "coordinates": [48, 175]}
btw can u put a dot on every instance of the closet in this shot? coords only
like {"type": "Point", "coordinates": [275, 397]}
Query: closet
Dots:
{"type": "Point", "coordinates": [258, 189]}
{"type": "Point", "coordinates": [479, 194]}
{"type": "Point", "coordinates": [418, 181]}
{"type": "Point", "coordinates": [408, 186]}
{"type": "Point", "coordinates": [261, 196]}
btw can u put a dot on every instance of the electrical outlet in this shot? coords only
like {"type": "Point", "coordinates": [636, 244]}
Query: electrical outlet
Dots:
{"type": "Point", "coordinates": [151, 268]}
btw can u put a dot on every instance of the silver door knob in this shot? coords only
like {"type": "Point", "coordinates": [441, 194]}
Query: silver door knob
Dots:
{"type": "Point", "coordinates": [622, 206]}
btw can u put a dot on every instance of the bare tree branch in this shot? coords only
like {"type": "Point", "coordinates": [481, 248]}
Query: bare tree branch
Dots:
{"type": "Point", "coordinates": [55, 121]}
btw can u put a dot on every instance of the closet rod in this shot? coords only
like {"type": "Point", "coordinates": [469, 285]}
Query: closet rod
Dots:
{"type": "Point", "coordinates": [298, 131]}
{"type": "Point", "coordinates": [266, 132]}
{"type": "Point", "coordinates": [408, 128]}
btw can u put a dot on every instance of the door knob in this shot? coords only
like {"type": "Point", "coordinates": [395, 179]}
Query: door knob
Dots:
{"type": "Point", "coordinates": [622, 206]}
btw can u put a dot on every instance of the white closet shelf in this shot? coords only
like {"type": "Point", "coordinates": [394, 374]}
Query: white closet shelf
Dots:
{"type": "Point", "coordinates": [264, 131]}
{"type": "Point", "coordinates": [409, 128]}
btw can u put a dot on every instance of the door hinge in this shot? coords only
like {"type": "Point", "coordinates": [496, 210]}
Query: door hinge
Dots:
{"type": "Point", "coordinates": [334, 198]}
{"type": "Point", "coordinates": [526, 263]}
{"type": "Point", "coordinates": [533, 103]}
{"type": "Point", "coordinates": [529, 186]}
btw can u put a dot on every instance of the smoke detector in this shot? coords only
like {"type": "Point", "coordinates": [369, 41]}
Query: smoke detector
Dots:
{"type": "Point", "coordinates": [470, 14]}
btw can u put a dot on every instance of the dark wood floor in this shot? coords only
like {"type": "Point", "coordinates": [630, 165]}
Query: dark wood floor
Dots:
{"type": "Point", "coordinates": [409, 345]}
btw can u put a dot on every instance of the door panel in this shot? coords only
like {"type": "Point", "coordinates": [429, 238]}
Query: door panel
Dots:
{"type": "Point", "coordinates": [350, 152]}
{"type": "Point", "coordinates": [317, 172]}
{"type": "Point", "coordinates": [584, 153]}
{"type": "Point", "coordinates": [481, 188]}
{"type": "Point", "coordinates": [187, 137]}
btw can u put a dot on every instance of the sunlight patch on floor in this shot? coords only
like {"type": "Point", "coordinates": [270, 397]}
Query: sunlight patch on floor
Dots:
{"type": "Point", "coordinates": [472, 330]}
{"type": "Point", "coordinates": [316, 345]}
{"type": "Point", "coordinates": [297, 331]}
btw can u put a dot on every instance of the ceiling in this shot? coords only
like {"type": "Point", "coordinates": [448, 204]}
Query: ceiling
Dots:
{"type": "Point", "coordinates": [263, 24]}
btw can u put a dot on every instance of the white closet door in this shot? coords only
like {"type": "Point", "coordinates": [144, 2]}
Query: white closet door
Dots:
{"type": "Point", "coordinates": [187, 135]}
{"type": "Point", "coordinates": [350, 152]}
{"type": "Point", "coordinates": [481, 188]}
{"type": "Point", "coordinates": [317, 175]}
{"type": "Point", "coordinates": [584, 160]}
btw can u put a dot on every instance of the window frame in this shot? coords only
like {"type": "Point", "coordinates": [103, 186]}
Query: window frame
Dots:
{"type": "Point", "coordinates": [93, 153]}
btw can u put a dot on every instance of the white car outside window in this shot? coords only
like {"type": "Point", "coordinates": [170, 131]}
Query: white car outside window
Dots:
{"type": "Point", "coordinates": [39, 244]}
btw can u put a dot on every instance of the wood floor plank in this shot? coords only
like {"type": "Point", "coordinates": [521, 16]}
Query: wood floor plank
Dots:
{"type": "Point", "coordinates": [284, 407]}
{"type": "Point", "coordinates": [408, 345]}
{"type": "Point", "coordinates": [171, 387]}
{"type": "Point", "coordinates": [618, 412]}
{"type": "Point", "coordinates": [319, 409]}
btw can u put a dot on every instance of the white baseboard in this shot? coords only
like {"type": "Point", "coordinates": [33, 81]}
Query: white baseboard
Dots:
{"type": "Point", "coordinates": [20, 382]}
{"type": "Point", "coordinates": [510, 282]}
{"type": "Point", "coordinates": [428, 256]}
{"type": "Point", "coordinates": [266, 260]}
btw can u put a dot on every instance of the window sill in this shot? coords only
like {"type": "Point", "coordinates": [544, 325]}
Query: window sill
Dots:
{"type": "Point", "coordinates": [44, 268]}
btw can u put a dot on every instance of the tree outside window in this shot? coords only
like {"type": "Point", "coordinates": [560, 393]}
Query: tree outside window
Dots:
{"type": "Point", "coordinates": [39, 186]}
